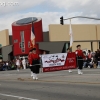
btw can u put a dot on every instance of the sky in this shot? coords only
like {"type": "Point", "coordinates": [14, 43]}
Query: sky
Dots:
{"type": "Point", "coordinates": [49, 10]}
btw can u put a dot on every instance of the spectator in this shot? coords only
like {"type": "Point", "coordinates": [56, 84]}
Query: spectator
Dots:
{"type": "Point", "coordinates": [1, 66]}
{"type": "Point", "coordinates": [7, 64]}
{"type": "Point", "coordinates": [13, 66]}
{"type": "Point", "coordinates": [98, 58]}
{"type": "Point", "coordinates": [24, 63]}
{"type": "Point", "coordinates": [18, 63]}
{"type": "Point", "coordinates": [85, 61]}
{"type": "Point", "coordinates": [89, 55]}
{"type": "Point", "coordinates": [4, 66]}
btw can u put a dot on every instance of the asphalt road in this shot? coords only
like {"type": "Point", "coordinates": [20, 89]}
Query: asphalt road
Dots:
{"type": "Point", "coordinates": [51, 86]}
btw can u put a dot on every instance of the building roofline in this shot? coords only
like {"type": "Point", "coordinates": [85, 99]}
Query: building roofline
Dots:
{"type": "Point", "coordinates": [74, 41]}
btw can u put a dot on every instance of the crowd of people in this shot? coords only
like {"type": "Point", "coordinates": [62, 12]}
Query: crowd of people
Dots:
{"type": "Point", "coordinates": [13, 65]}
{"type": "Point", "coordinates": [92, 59]}
{"type": "Point", "coordinates": [16, 64]}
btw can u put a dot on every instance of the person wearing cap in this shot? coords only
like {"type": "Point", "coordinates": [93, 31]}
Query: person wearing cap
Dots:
{"type": "Point", "coordinates": [80, 57]}
{"type": "Point", "coordinates": [68, 51]}
{"type": "Point", "coordinates": [35, 63]}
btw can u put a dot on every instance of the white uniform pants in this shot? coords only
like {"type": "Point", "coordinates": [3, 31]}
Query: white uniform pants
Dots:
{"type": "Point", "coordinates": [34, 75]}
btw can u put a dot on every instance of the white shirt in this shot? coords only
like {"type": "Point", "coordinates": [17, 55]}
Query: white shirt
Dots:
{"type": "Point", "coordinates": [7, 64]}
{"type": "Point", "coordinates": [23, 62]}
{"type": "Point", "coordinates": [17, 62]}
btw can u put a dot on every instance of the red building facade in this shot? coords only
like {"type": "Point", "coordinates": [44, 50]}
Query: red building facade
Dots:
{"type": "Point", "coordinates": [21, 33]}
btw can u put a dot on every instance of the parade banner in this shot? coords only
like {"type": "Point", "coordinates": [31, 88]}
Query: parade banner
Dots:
{"type": "Point", "coordinates": [50, 60]}
{"type": "Point", "coordinates": [57, 62]}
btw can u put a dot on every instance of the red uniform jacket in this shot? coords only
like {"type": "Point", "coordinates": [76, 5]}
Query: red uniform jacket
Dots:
{"type": "Point", "coordinates": [80, 53]}
{"type": "Point", "coordinates": [33, 57]}
{"type": "Point", "coordinates": [29, 58]}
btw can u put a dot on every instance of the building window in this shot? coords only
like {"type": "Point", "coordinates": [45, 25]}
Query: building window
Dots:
{"type": "Point", "coordinates": [15, 41]}
{"type": "Point", "coordinates": [0, 45]}
{"type": "Point", "coordinates": [29, 44]}
{"type": "Point", "coordinates": [0, 51]}
{"type": "Point", "coordinates": [22, 43]}
{"type": "Point", "coordinates": [23, 49]}
{"type": "Point", "coordinates": [22, 36]}
{"type": "Point", "coordinates": [66, 46]}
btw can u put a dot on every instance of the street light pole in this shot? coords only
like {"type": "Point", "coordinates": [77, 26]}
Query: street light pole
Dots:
{"type": "Point", "coordinates": [82, 17]}
{"type": "Point", "coordinates": [62, 19]}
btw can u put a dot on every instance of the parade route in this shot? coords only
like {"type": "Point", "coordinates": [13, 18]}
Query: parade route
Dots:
{"type": "Point", "coordinates": [18, 97]}
{"type": "Point", "coordinates": [89, 76]}
{"type": "Point", "coordinates": [60, 85]}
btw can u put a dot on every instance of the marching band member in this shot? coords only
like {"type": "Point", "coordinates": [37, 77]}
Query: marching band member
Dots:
{"type": "Point", "coordinates": [29, 60]}
{"type": "Point", "coordinates": [34, 63]}
{"type": "Point", "coordinates": [80, 57]}
{"type": "Point", "coordinates": [68, 51]}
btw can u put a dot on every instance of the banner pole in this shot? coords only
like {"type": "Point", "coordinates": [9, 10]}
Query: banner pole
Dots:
{"type": "Point", "coordinates": [71, 49]}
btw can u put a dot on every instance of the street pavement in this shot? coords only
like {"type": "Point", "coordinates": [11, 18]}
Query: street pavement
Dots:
{"type": "Point", "coordinates": [59, 85]}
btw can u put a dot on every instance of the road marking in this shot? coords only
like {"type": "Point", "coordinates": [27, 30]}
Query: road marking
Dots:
{"type": "Point", "coordinates": [19, 97]}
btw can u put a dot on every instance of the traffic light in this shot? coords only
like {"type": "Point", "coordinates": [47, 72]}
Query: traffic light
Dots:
{"type": "Point", "coordinates": [61, 20]}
